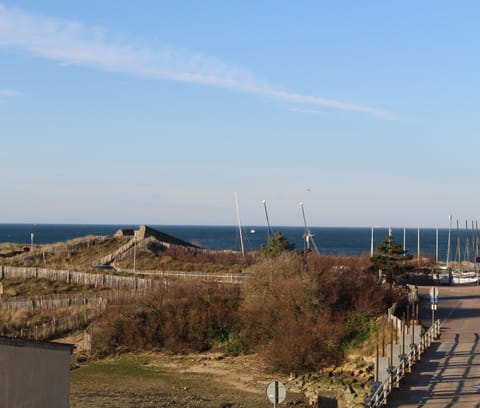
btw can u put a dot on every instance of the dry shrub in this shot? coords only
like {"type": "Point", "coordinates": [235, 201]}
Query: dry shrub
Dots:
{"type": "Point", "coordinates": [300, 311]}
{"type": "Point", "coordinates": [296, 306]}
{"type": "Point", "coordinates": [180, 258]}
{"type": "Point", "coordinates": [182, 317]}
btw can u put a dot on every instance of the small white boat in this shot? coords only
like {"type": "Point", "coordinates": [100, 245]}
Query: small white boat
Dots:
{"type": "Point", "coordinates": [461, 277]}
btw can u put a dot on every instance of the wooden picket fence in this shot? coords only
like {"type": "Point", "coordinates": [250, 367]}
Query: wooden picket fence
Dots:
{"type": "Point", "coordinates": [115, 282]}
{"type": "Point", "coordinates": [57, 327]}
{"type": "Point", "coordinates": [52, 302]}
{"type": "Point", "coordinates": [93, 303]}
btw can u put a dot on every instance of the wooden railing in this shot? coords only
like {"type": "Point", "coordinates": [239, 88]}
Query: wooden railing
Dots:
{"type": "Point", "coordinates": [381, 391]}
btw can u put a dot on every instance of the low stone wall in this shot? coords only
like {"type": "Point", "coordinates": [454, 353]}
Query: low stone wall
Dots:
{"type": "Point", "coordinates": [348, 385]}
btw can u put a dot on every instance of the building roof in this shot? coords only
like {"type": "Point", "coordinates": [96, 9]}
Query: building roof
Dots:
{"type": "Point", "coordinates": [19, 342]}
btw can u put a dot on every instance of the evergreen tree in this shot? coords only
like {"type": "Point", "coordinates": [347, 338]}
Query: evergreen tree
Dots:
{"type": "Point", "coordinates": [391, 258]}
{"type": "Point", "coordinates": [276, 245]}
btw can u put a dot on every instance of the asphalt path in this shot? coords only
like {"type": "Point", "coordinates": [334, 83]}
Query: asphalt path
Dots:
{"type": "Point", "coordinates": [448, 372]}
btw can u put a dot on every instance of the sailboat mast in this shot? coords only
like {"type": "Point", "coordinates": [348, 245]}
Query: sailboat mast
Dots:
{"type": "Point", "coordinates": [418, 245]}
{"type": "Point", "coordinates": [467, 244]}
{"type": "Point", "coordinates": [269, 229]}
{"type": "Point", "coordinates": [371, 242]}
{"type": "Point", "coordinates": [306, 234]}
{"type": "Point", "coordinates": [449, 234]}
{"type": "Point", "coordinates": [459, 255]}
{"type": "Point", "coordinates": [239, 225]}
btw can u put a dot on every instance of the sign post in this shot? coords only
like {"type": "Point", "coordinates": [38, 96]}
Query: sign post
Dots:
{"type": "Point", "coordinates": [477, 261]}
{"type": "Point", "coordinates": [433, 301]}
{"type": "Point", "coordinates": [276, 393]}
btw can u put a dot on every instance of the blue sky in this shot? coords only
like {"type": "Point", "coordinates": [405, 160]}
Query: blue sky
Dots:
{"type": "Point", "coordinates": [157, 112]}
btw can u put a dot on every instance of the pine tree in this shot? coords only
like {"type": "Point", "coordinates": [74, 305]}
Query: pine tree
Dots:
{"type": "Point", "coordinates": [276, 245]}
{"type": "Point", "coordinates": [391, 258]}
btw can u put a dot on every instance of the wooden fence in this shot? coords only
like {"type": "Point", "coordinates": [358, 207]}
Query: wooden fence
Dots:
{"type": "Point", "coordinates": [94, 303]}
{"type": "Point", "coordinates": [58, 327]}
{"type": "Point", "coordinates": [99, 280]}
{"type": "Point", "coordinates": [52, 302]}
{"type": "Point", "coordinates": [107, 259]}
{"type": "Point", "coordinates": [62, 247]}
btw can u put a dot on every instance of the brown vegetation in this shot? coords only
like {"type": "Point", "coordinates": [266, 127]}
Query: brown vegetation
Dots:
{"type": "Point", "coordinates": [155, 256]}
{"type": "Point", "coordinates": [298, 311]}
{"type": "Point", "coordinates": [181, 317]}
{"type": "Point", "coordinates": [37, 287]}
{"type": "Point", "coordinates": [73, 254]}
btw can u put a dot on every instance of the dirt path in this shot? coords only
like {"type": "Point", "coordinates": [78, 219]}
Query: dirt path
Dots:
{"type": "Point", "coordinates": [157, 380]}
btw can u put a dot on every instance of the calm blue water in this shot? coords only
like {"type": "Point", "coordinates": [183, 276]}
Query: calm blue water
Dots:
{"type": "Point", "coordinates": [332, 240]}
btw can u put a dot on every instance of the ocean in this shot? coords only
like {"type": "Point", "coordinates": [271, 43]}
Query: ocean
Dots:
{"type": "Point", "coordinates": [331, 240]}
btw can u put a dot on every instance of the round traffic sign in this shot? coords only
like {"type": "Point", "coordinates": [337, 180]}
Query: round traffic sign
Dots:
{"type": "Point", "coordinates": [276, 392]}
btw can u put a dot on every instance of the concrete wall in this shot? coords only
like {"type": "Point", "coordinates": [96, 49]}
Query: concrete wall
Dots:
{"type": "Point", "coordinates": [34, 374]}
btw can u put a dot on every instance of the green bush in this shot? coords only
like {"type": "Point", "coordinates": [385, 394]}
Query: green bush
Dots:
{"type": "Point", "coordinates": [358, 328]}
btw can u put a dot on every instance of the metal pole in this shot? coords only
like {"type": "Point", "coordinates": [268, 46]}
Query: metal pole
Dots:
{"type": "Point", "coordinates": [476, 248]}
{"type": "Point", "coordinates": [239, 226]}
{"type": "Point", "coordinates": [408, 315]}
{"type": "Point", "coordinates": [413, 332]}
{"type": "Point", "coordinates": [449, 233]}
{"type": "Point", "coordinates": [418, 245]}
{"type": "Point", "coordinates": [275, 404]}
{"type": "Point", "coordinates": [377, 358]}
{"type": "Point", "coordinates": [371, 243]}
{"type": "Point", "coordinates": [391, 343]}
{"type": "Point", "coordinates": [433, 314]}
{"type": "Point", "coordinates": [383, 340]}
{"type": "Point", "coordinates": [269, 229]}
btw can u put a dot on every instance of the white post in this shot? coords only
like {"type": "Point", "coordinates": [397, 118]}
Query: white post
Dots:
{"type": "Point", "coordinates": [239, 225]}
{"type": "Point", "coordinates": [134, 249]}
{"type": "Point", "coordinates": [31, 241]}
{"type": "Point", "coordinates": [448, 243]}
{"type": "Point", "coordinates": [404, 239]}
{"type": "Point", "coordinates": [418, 245]}
{"type": "Point", "coordinates": [371, 243]}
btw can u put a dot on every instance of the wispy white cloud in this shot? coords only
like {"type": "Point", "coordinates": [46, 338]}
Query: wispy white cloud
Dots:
{"type": "Point", "coordinates": [9, 92]}
{"type": "Point", "coordinates": [71, 42]}
{"type": "Point", "coordinates": [307, 111]}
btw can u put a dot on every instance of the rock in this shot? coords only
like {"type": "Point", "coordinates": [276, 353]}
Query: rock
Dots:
{"type": "Point", "coordinates": [337, 372]}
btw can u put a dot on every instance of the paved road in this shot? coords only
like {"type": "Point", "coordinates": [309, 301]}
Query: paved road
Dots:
{"type": "Point", "coordinates": [448, 370]}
